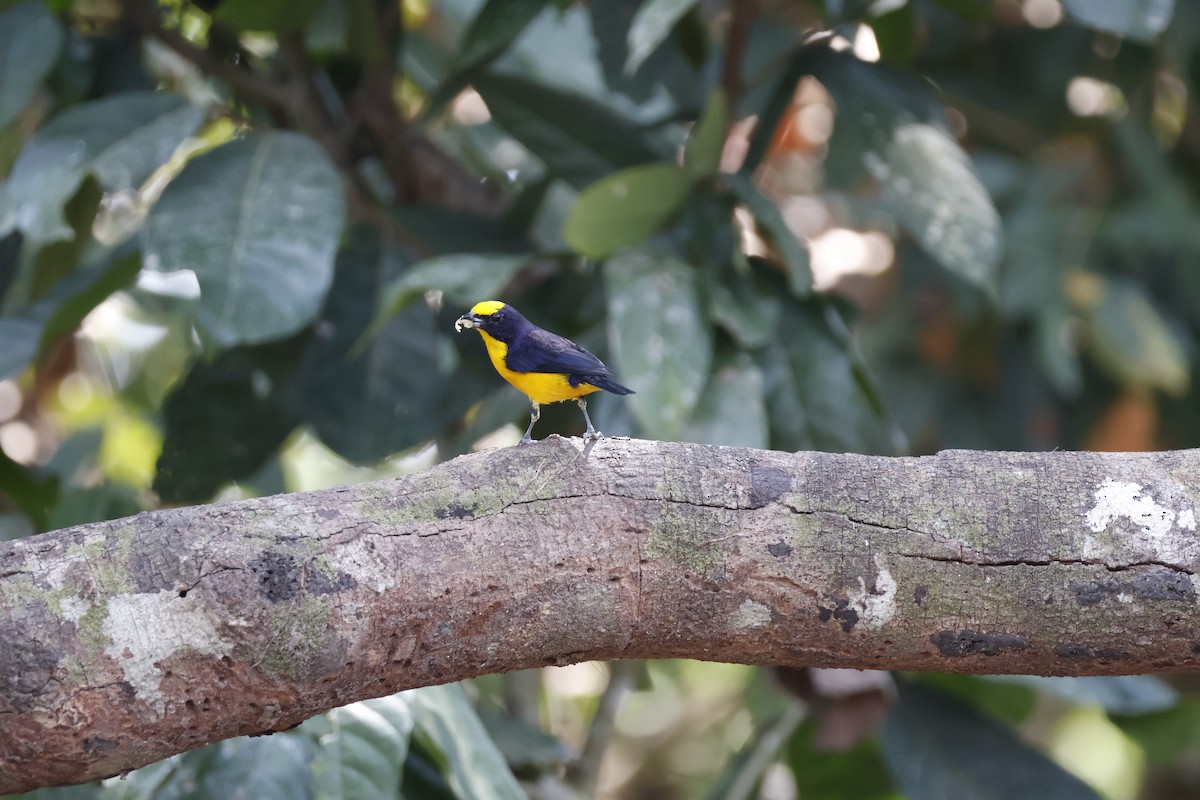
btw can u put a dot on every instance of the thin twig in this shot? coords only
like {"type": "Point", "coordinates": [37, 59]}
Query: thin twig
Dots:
{"type": "Point", "coordinates": [586, 770]}
{"type": "Point", "coordinates": [145, 19]}
{"type": "Point", "coordinates": [741, 18]}
{"type": "Point", "coordinates": [751, 770]}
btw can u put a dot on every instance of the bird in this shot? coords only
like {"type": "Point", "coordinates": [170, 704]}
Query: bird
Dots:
{"type": "Point", "coordinates": [546, 367]}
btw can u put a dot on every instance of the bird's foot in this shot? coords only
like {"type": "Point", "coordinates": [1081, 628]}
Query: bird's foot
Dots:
{"type": "Point", "coordinates": [593, 436]}
{"type": "Point", "coordinates": [526, 440]}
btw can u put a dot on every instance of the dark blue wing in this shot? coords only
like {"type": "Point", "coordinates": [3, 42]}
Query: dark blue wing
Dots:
{"type": "Point", "coordinates": [542, 351]}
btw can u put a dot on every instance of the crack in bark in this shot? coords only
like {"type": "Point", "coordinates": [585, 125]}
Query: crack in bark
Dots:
{"type": "Point", "coordinates": [1049, 562]}
{"type": "Point", "coordinates": [969, 556]}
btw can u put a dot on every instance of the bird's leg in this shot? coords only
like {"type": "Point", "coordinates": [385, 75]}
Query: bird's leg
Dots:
{"type": "Point", "coordinates": [591, 434]}
{"type": "Point", "coordinates": [533, 417]}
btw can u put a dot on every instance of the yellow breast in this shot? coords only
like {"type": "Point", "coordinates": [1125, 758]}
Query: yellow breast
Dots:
{"type": "Point", "coordinates": [540, 387]}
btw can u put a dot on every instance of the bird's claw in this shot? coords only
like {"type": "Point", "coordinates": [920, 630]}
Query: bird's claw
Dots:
{"type": "Point", "coordinates": [593, 436]}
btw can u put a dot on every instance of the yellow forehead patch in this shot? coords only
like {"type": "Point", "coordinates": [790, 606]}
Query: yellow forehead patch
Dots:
{"type": "Point", "coordinates": [486, 307]}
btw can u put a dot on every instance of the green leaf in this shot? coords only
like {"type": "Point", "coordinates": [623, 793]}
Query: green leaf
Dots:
{"type": "Point", "coordinates": [746, 309]}
{"type": "Point", "coordinates": [626, 208]}
{"type": "Point", "coordinates": [449, 726]}
{"type": "Point", "coordinates": [34, 330]}
{"type": "Point", "coordinates": [442, 230]}
{"type": "Point", "coordinates": [361, 748]}
{"type": "Point", "coordinates": [276, 16]}
{"type": "Point", "coordinates": [666, 69]}
{"type": "Point", "coordinates": [1118, 694]}
{"type": "Point", "coordinates": [731, 410]}
{"type": "Point", "coordinates": [1130, 339]}
{"type": "Point", "coordinates": [580, 140]}
{"type": "Point", "coordinates": [772, 226]}
{"type": "Point", "coordinates": [650, 28]}
{"type": "Point", "coordinates": [494, 28]}
{"type": "Point", "coordinates": [55, 260]}
{"type": "Point", "coordinates": [1056, 352]}
{"type": "Point", "coordinates": [525, 746]}
{"type": "Point", "coordinates": [79, 505]}
{"type": "Point", "coordinates": [858, 774]}
{"type": "Point", "coordinates": [258, 220]}
{"type": "Point", "coordinates": [262, 767]}
{"type": "Point", "coordinates": [21, 336]}
{"type": "Point", "coordinates": [87, 791]}
{"type": "Point", "coordinates": [937, 748]}
{"type": "Point", "coordinates": [1142, 20]}
{"type": "Point", "coordinates": [1164, 735]}
{"type": "Point", "coordinates": [896, 33]}
{"type": "Point", "coordinates": [389, 395]}
{"type": "Point", "coordinates": [225, 419]}
{"type": "Point", "coordinates": [30, 41]}
{"type": "Point", "coordinates": [890, 128]}
{"type": "Point", "coordinates": [120, 139]}
{"type": "Point", "coordinates": [1006, 701]}
{"type": "Point", "coordinates": [818, 394]}
{"type": "Point", "coordinates": [462, 278]}
{"type": "Point", "coordinates": [35, 494]}
{"type": "Point", "coordinates": [658, 335]}
{"type": "Point", "coordinates": [702, 153]}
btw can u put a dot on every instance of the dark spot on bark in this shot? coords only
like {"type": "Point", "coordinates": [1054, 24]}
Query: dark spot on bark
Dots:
{"type": "Point", "coordinates": [28, 665]}
{"type": "Point", "coordinates": [965, 643]}
{"type": "Point", "coordinates": [780, 549]}
{"type": "Point", "coordinates": [278, 576]}
{"type": "Point", "coordinates": [324, 584]}
{"type": "Point", "coordinates": [920, 593]}
{"type": "Point", "coordinates": [1163, 584]}
{"type": "Point", "coordinates": [1088, 594]}
{"type": "Point", "coordinates": [1196, 647]}
{"type": "Point", "coordinates": [841, 611]}
{"type": "Point", "coordinates": [768, 484]}
{"type": "Point", "coordinates": [455, 511]}
{"type": "Point", "coordinates": [97, 744]}
{"type": "Point", "coordinates": [1072, 650]}
{"type": "Point", "coordinates": [328, 513]}
{"type": "Point", "coordinates": [1111, 654]}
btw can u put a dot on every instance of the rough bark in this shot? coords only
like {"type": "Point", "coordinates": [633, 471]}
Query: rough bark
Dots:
{"type": "Point", "coordinates": [127, 641]}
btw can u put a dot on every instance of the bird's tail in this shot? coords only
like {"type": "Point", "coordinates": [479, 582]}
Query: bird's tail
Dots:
{"type": "Point", "coordinates": [608, 384]}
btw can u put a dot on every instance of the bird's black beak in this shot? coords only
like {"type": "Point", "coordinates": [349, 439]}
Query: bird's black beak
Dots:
{"type": "Point", "coordinates": [467, 321]}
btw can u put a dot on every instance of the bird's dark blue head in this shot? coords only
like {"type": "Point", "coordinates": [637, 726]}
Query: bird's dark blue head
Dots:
{"type": "Point", "coordinates": [496, 319]}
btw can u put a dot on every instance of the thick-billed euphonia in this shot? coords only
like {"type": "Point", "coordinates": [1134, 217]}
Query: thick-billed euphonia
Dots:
{"type": "Point", "coordinates": [547, 367]}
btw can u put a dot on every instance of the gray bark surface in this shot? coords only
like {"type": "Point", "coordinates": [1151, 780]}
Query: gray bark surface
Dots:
{"type": "Point", "coordinates": [124, 642]}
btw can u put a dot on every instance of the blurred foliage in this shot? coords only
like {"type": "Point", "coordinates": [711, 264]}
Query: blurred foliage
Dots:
{"type": "Point", "coordinates": [234, 236]}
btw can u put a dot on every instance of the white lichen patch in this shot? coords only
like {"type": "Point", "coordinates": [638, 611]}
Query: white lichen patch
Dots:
{"type": "Point", "coordinates": [1117, 500]}
{"type": "Point", "coordinates": [73, 608]}
{"type": "Point", "coordinates": [751, 614]}
{"type": "Point", "coordinates": [143, 629]}
{"type": "Point", "coordinates": [876, 607]}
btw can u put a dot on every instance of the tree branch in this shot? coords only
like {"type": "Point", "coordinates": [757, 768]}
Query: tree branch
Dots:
{"type": "Point", "coordinates": [741, 19]}
{"type": "Point", "coordinates": [277, 96]}
{"type": "Point", "coordinates": [130, 640]}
